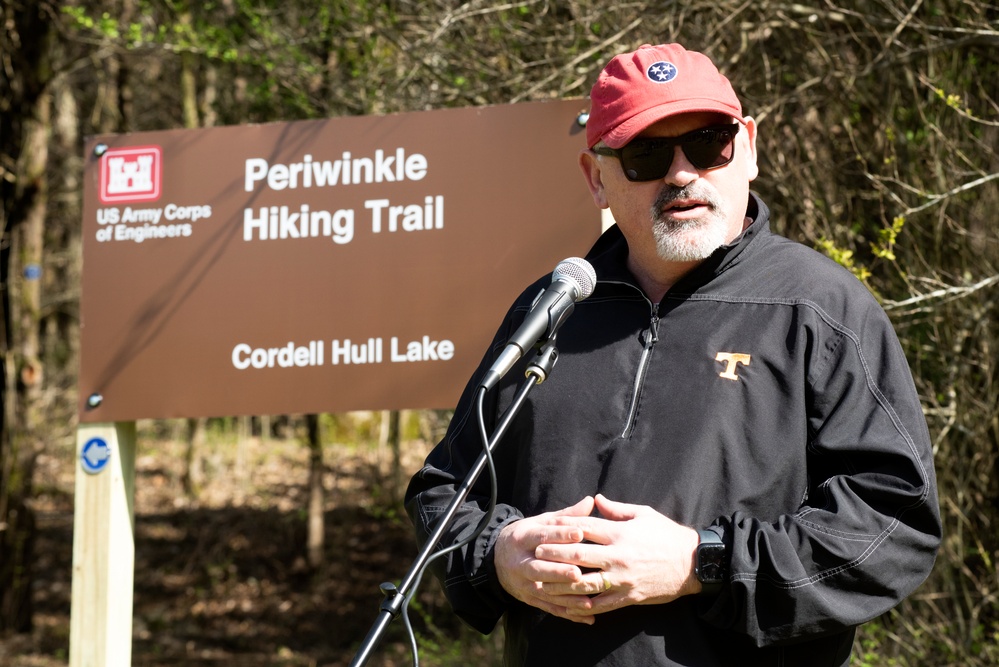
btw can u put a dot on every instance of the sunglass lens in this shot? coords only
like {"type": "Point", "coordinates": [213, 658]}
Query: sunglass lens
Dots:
{"type": "Point", "coordinates": [711, 148]}
{"type": "Point", "coordinates": [646, 160]}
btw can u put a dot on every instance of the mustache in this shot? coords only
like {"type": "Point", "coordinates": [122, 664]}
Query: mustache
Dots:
{"type": "Point", "coordinates": [669, 194]}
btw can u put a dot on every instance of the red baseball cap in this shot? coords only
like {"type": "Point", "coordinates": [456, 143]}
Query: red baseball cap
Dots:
{"type": "Point", "coordinates": [640, 88]}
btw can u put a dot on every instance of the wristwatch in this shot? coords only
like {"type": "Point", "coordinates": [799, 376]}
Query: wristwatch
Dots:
{"type": "Point", "coordinates": [710, 561]}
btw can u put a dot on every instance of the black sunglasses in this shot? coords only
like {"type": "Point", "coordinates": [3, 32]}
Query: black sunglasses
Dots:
{"type": "Point", "coordinates": [649, 158]}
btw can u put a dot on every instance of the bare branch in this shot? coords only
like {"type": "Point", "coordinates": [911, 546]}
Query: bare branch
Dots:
{"type": "Point", "coordinates": [955, 292]}
{"type": "Point", "coordinates": [578, 59]}
{"type": "Point", "coordinates": [936, 199]}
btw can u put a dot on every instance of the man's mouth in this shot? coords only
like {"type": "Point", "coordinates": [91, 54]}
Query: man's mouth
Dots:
{"type": "Point", "coordinates": [685, 205]}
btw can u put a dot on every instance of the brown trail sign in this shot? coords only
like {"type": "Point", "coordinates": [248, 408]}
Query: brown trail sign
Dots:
{"type": "Point", "coordinates": [318, 266]}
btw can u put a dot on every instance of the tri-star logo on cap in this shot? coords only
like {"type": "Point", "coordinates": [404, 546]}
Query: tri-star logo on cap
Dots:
{"type": "Point", "coordinates": [661, 72]}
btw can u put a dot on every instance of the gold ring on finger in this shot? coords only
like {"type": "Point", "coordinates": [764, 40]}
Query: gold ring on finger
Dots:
{"type": "Point", "coordinates": [607, 583]}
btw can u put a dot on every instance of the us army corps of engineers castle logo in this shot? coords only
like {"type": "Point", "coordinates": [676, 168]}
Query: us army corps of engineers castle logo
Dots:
{"type": "Point", "coordinates": [131, 174]}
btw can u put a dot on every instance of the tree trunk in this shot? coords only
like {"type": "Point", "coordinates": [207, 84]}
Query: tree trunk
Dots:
{"type": "Point", "coordinates": [316, 538]}
{"type": "Point", "coordinates": [21, 441]}
{"type": "Point", "coordinates": [244, 432]}
{"type": "Point", "coordinates": [395, 476]}
{"type": "Point", "coordinates": [126, 97]}
{"type": "Point", "coordinates": [208, 113]}
{"type": "Point", "coordinates": [193, 475]}
{"type": "Point", "coordinates": [63, 249]}
{"type": "Point", "coordinates": [188, 80]}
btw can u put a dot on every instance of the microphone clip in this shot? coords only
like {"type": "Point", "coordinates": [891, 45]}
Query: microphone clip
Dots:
{"type": "Point", "coordinates": [543, 363]}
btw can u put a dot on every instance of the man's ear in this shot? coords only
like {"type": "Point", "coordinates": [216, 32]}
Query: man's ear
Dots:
{"type": "Point", "coordinates": [590, 164]}
{"type": "Point", "coordinates": [752, 168]}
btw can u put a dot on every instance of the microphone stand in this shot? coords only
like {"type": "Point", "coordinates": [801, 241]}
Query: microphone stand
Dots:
{"type": "Point", "coordinates": [395, 597]}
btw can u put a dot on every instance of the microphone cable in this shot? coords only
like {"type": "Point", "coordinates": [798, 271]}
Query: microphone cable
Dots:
{"type": "Point", "coordinates": [490, 510]}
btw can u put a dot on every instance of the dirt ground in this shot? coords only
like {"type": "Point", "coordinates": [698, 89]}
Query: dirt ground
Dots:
{"type": "Point", "coordinates": [221, 579]}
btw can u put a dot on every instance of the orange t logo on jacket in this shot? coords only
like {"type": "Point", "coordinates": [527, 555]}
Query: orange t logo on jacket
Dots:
{"type": "Point", "coordinates": [732, 360]}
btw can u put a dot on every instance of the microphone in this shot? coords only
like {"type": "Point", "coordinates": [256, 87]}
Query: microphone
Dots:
{"type": "Point", "coordinates": [573, 280]}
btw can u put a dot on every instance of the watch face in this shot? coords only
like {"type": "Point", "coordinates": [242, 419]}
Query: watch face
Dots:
{"type": "Point", "coordinates": [711, 563]}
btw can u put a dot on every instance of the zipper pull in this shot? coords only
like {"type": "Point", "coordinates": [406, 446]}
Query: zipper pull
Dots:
{"type": "Point", "coordinates": [654, 325]}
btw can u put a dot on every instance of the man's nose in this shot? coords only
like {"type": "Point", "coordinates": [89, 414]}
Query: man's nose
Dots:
{"type": "Point", "coordinates": [681, 171]}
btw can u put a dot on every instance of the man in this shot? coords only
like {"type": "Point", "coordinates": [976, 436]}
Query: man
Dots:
{"type": "Point", "coordinates": [729, 464]}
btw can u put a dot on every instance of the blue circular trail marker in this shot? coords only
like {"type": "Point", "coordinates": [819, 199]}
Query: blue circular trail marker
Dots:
{"type": "Point", "coordinates": [95, 455]}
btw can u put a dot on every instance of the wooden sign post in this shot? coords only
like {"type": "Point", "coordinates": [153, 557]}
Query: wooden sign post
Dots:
{"type": "Point", "coordinates": [103, 546]}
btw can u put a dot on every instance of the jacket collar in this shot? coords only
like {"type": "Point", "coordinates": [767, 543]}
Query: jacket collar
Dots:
{"type": "Point", "coordinates": [610, 253]}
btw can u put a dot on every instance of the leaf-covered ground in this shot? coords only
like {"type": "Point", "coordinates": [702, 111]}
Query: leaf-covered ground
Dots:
{"type": "Point", "coordinates": [223, 580]}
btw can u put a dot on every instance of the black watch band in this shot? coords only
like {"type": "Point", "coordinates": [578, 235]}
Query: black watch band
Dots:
{"type": "Point", "coordinates": [710, 562]}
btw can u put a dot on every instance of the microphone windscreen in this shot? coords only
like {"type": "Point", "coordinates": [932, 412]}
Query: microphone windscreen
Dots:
{"type": "Point", "coordinates": [578, 271]}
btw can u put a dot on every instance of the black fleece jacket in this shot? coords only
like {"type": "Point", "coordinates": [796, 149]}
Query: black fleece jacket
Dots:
{"type": "Point", "coordinates": [809, 456]}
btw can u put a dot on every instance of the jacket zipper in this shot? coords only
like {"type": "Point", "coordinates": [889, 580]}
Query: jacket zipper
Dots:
{"type": "Point", "coordinates": [651, 338]}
